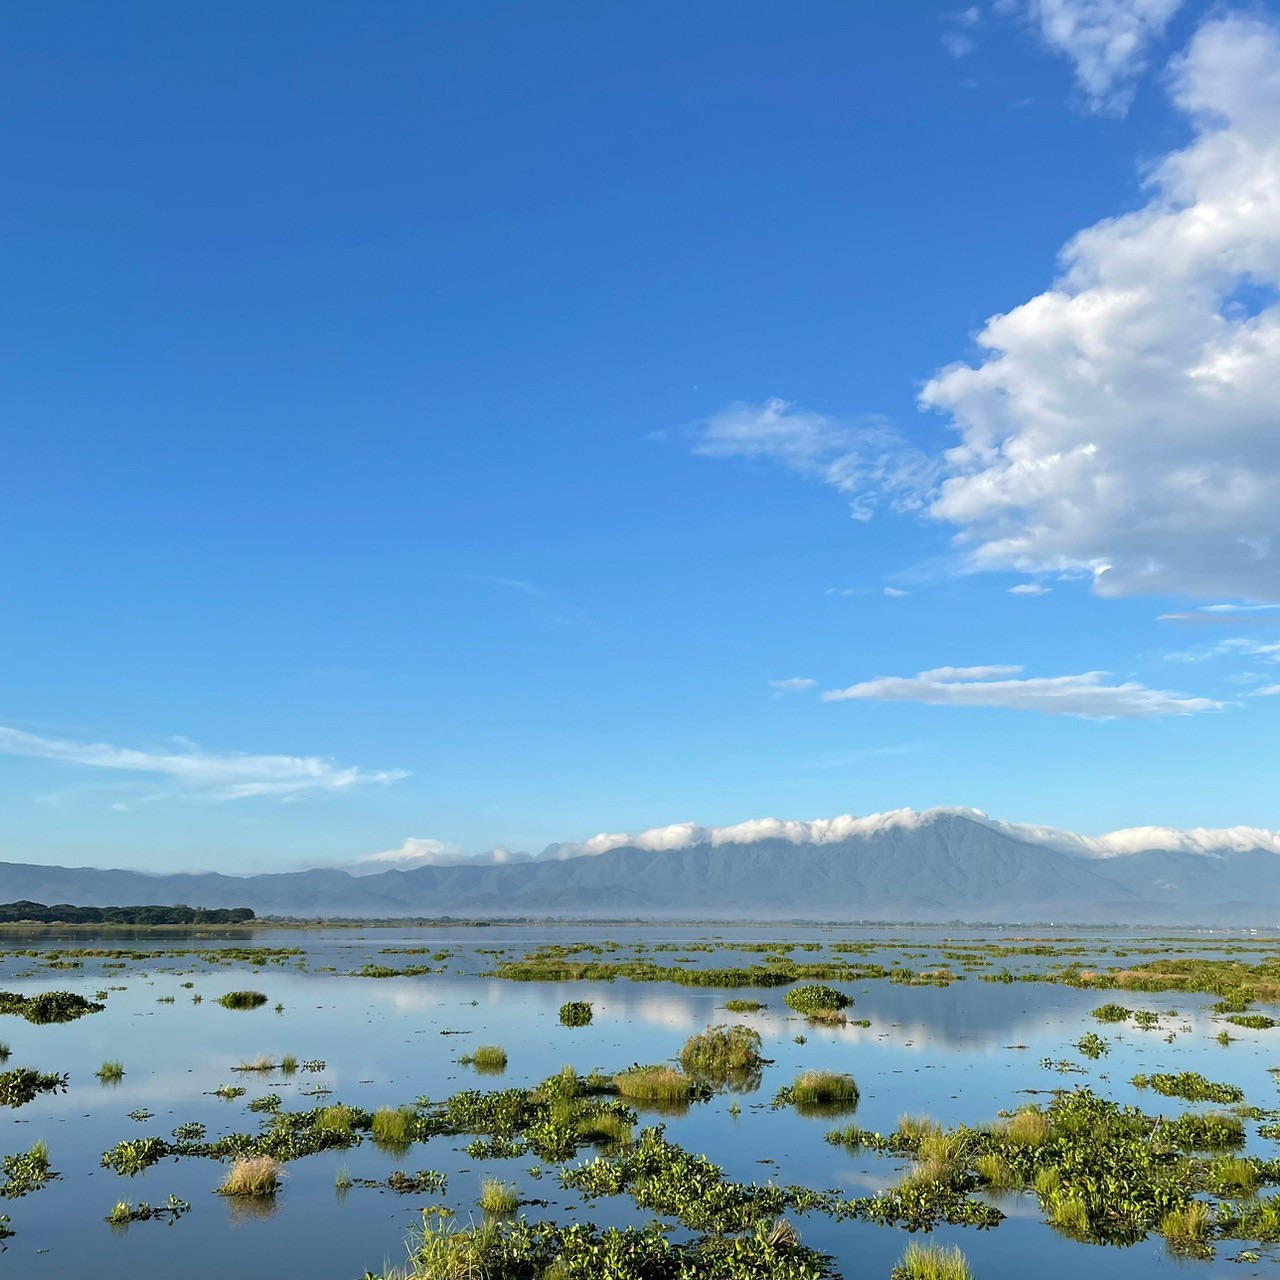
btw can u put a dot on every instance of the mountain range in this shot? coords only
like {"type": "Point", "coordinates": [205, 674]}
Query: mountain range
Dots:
{"type": "Point", "coordinates": [936, 865]}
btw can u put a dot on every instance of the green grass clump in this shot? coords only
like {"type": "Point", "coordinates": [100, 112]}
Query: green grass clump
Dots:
{"type": "Point", "coordinates": [1254, 1021]}
{"type": "Point", "coordinates": [488, 1059]}
{"type": "Point", "coordinates": [816, 999]}
{"type": "Point", "coordinates": [1233, 1176]}
{"type": "Point", "coordinates": [498, 1197]}
{"type": "Point", "coordinates": [242, 1000]}
{"type": "Point", "coordinates": [337, 1120]}
{"type": "Point", "coordinates": [659, 1085]}
{"type": "Point", "coordinates": [393, 1127]}
{"type": "Point", "coordinates": [1186, 1229]}
{"type": "Point", "coordinates": [576, 1013]}
{"type": "Point", "coordinates": [111, 1071]}
{"type": "Point", "coordinates": [819, 1093]}
{"type": "Point", "coordinates": [744, 1006]}
{"type": "Point", "coordinates": [254, 1177]}
{"type": "Point", "coordinates": [997, 1172]}
{"type": "Point", "coordinates": [932, 1262]}
{"type": "Point", "coordinates": [1111, 1013]}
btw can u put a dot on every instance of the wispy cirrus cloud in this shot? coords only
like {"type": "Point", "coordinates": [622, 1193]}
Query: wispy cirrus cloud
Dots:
{"type": "Point", "coordinates": [222, 776]}
{"type": "Point", "coordinates": [796, 684]}
{"type": "Point", "coordinates": [1087, 695]}
{"type": "Point", "coordinates": [866, 460]}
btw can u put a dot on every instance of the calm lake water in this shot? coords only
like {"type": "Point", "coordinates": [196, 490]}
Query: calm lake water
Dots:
{"type": "Point", "coordinates": [961, 1053]}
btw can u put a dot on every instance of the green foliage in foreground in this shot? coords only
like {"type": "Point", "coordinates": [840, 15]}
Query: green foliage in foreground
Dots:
{"type": "Point", "coordinates": [48, 1006]}
{"type": "Point", "coordinates": [544, 1251]}
{"type": "Point", "coordinates": [815, 998]}
{"type": "Point", "coordinates": [1102, 1173]}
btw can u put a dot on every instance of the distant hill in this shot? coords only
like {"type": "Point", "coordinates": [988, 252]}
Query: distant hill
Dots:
{"type": "Point", "coordinates": [934, 866]}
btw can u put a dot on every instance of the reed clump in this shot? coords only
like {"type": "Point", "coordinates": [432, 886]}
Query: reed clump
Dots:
{"type": "Point", "coordinates": [252, 1176]}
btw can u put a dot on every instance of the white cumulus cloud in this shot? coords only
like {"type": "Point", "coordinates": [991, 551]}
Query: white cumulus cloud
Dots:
{"type": "Point", "coordinates": [1126, 422]}
{"type": "Point", "coordinates": [226, 776]}
{"type": "Point", "coordinates": [1086, 695]}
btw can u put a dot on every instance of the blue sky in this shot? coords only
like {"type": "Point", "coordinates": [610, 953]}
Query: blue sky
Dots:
{"type": "Point", "coordinates": [494, 424]}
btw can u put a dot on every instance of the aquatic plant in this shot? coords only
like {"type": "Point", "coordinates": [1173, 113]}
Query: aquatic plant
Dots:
{"type": "Point", "coordinates": [498, 1197]}
{"type": "Point", "coordinates": [660, 1085]}
{"type": "Point", "coordinates": [132, 1157]}
{"type": "Point", "coordinates": [743, 1006]}
{"type": "Point", "coordinates": [576, 1013]}
{"type": "Point", "coordinates": [1254, 1021]}
{"type": "Point", "coordinates": [48, 1006]}
{"type": "Point", "coordinates": [126, 1212]}
{"type": "Point", "coordinates": [725, 1055]}
{"type": "Point", "coordinates": [1190, 1085]}
{"type": "Point", "coordinates": [487, 1059]}
{"type": "Point", "coordinates": [815, 998]}
{"type": "Point", "coordinates": [20, 1086]}
{"type": "Point", "coordinates": [111, 1071]}
{"type": "Point", "coordinates": [819, 1093]}
{"type": "Point", "coordinates": [242, 1000]}
{"type": "Point", "coordinates": [518, 1250]}
{"type": "Point", "coordinates": [393, 1127]}
{"type": "Point", "coordinates": [252, 1176]}
{"type": "Point", "coordinates": [931, 1262]}
{"type": "Point", "coordinates": [1186, 1229]}
{"type": "Point", "coordinates": [1092, 1045]}
{"type": "Point", "coordinates": [26, 1172]}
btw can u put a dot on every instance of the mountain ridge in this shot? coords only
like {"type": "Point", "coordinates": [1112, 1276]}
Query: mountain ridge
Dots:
{"type": "Point", "coordinates": [938, 866]}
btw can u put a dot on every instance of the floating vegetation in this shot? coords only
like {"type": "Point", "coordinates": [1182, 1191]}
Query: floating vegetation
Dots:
{"type": "Point", "coordinates": [744, 1006]}
{"type": "Point", "coordinates": [230, 1091]}
{"type": "Point", "coordinates": [253, 1177]}
{"type": "Point", "coordinates": [1092, 1045]}
{"type": "Point", "coordinates": [48, 1006]}
{"type": "Point", "coordinates": [420, 1183]}
{"type": "Point", "coordinates": [1186, 1229]}
{"type": "Point", "coordinates": [22, 1084]}
{"type": "Point", "coordinates": [268, 1102]}
{"type": "Point", "coordinates": [1189, 1085]}
{"type": "Point", "coordinates": [132, 1157]}
{"type": "Point", "coordinates": [111, 1071]}
{"type": "Point", "coordinates": [242, 1000]}
{"type": "Point", "coordinates": [577, 1013]}
{"type": "Point", "coordinates": [141, 1114]}
{"type": "Point", "coordinates": [169, 1212]}
{"type": "Point", "coordinates": [192, 1131]}
{"type": "Point", "coordinates": [1254, 1021]}
{"type": "Point", "coordinates": [819, 1093]}
{"type": "Point", "coordinates": [498, 1250]}
{"type": "Point", "coordinates": [26, 1172]}
{"type": "Point", "coordinates": [815, 999]}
